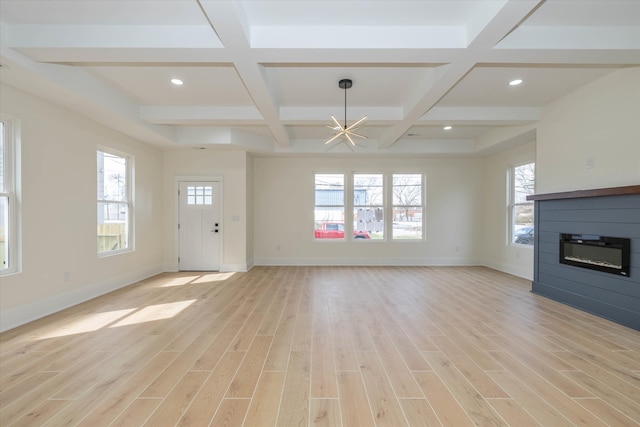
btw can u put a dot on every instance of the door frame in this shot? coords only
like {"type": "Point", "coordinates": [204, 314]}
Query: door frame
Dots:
{"type": "Point", "coordinates": [176, 213]}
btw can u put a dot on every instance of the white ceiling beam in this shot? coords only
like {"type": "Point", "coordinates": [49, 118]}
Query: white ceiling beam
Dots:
{"type": "Point", "coordinates": [195, 114]}
{"type": "Point", "coordinates": [541, 37]}
{"type": "Point", "coordinates": [505, 137]}
{"type": "Point", "coordinates": [358, 37]}
{"type": "Point", "coordinates": [309, 115]}
{"type": "Point", "coordinates": [78, 90]}
{"type": "Point", "coordinates": [203, 136]}
{"type": "Point", "coordinates": [133, 56]}
{"type": "Point", "coordinates": [454, 73]}
{"type": "Point", "coordinates": [112, 36]}
{"type": "Point", "coordinates": [229, 23]}
{"type": "Point", "coordinates": [344, 56]}
{"type": "Point", "coordinates": [561, 57]}
{"type": "Point", "coordinates": [321, 57]}
{"type": "Point", "coordinates": [505, 20]}
{"type": "Point", "coordinates": [207, 136]}
{"type": "Point", "coordinates": [255, 81]}
{"type": "Point", "coordinates": [503, 114]}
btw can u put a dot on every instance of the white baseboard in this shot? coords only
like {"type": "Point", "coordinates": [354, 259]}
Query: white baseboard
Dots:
{"type": "Point", "coordinates": [515, 270]}
{"type": "Point", "coordinates": [27, 313]}
{"type": "Point", "coordinates": [237, 268]}
{"type": "Point", "coordinates": [400, 262]}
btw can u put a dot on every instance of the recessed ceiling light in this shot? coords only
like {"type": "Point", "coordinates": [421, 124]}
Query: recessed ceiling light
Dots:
{"type": "Point", "coordinates": [447, 127]}
{"type": "Point", "coordinates": [177, 82]}
{"type": "Point", "coordinates": [515, 82]}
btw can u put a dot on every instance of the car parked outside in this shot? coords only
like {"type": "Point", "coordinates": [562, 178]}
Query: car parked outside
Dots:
{"type": "Point", "coordinates": [335, 230]}
{"type": "Point", "coordinates": [524, 236]}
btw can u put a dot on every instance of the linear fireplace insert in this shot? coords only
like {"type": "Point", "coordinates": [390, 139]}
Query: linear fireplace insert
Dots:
{"type": "Point", "coordinates": [602, 253]}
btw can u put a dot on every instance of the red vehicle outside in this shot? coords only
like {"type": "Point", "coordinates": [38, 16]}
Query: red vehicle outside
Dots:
{"type": "Point", "coordinates": [335, 230]}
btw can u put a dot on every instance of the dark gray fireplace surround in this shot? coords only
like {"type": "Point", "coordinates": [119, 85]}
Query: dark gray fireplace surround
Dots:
{"type": "Point", "coordinates": [611, 212]}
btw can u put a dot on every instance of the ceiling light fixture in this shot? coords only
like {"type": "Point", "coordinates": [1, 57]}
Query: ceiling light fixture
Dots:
{"type": "Point", "coordinates": [447, 127]}
{"type": "Point", "coordinates": [515, 82]}
{"type": "Point", "coordinates": [177, 82]}
{"type": "Point", "coordinates": [346, 131]}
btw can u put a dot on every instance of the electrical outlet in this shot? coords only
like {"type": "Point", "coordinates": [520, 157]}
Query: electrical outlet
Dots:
{"type": "Point", "coordinates": [590, 163]}
{"type": "Point", "coordinates": [67, 276]}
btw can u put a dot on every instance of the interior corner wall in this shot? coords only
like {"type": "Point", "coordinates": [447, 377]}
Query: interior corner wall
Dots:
{"type": "Point", "coordinates": [60, 266]}
{"type": "Point", "coordinates": [249, 211]}
{"type": "Point", "coordinates": [597, 125]}
{"type": "Point", "coordinates": [499, 253]}
{"type": "Point", "coordinates": [232, 166]}
{"type": "Point", "coordinates": [284, 223]}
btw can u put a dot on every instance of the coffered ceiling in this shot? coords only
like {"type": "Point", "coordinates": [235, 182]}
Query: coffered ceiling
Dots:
{"type": "Point", "coordinates": [263, 75]}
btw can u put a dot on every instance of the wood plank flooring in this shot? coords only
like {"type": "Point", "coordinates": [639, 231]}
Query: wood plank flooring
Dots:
{"type": "Point", "coordinates": [322, 346]}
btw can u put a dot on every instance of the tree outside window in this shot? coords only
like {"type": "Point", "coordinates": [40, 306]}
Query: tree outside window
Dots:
{"type": "Point", "coordinates": [521, 209]}
{"type": "Point", "coordinates": [407, 206]}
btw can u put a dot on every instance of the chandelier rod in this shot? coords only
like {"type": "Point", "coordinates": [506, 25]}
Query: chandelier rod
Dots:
{"type": "Point", "coordinates": [345, 106]}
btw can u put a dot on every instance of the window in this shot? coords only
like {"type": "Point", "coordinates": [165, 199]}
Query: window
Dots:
{"type": "Point", "coordinates": [329, 206]}
{"type": "Point", "coordinates": [520, 209]}
{"type": "Point", "coordinates": [114, 202]}
{"type": "Point", "coordinates": [9, 212]}
{"type": "Point", "coordinates": [199, 195]}
{"type": "Point", "coordinates": [368, 206]}
{"type": "Point", "coordinates": [407, 206]}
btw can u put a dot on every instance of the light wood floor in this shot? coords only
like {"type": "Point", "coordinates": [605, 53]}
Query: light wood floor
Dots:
{"type": "Point", "coordinates": [322, 346]}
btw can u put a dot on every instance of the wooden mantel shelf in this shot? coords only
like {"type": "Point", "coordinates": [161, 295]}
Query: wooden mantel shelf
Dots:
{"type": "Point", "coordinates": [613, 191]}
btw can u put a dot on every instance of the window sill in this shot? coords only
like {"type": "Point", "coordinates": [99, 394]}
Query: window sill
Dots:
{"type": "Point", "coordinates": [114, 253]}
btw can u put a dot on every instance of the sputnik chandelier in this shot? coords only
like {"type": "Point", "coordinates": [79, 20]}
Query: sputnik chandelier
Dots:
{"type": "Point", "coordinates": [346, 131]}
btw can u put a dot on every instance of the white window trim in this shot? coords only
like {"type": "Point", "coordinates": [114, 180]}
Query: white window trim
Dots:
{"type": "Point", "coordinates": [387, 182]}
{"type": "Point", "coordinates": [348, 229]}
{"type": "Point", "coordinates": [423, 206]}
{"type": "Point", "coordinates": [130, 201]}
{"type": "Point", "coordinates": [385, 209]}
{"type": "Point", "coordinates": [12, 175]}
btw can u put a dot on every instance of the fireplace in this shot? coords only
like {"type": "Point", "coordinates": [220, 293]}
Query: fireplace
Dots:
{"type": "Point", "coordinates": [613, 291]}
{"type": "Point", "coordinates": [607, 254]}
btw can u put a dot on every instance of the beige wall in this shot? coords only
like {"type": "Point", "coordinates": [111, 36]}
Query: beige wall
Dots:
{"type": "Point", "coordinates": [59, 212]}
{"type": "Point", "coordinates": [231, 166]}
{"type": "Point", "coordinates": [600, 121]}
{"type": "Point", "coordinates": [283, 210]}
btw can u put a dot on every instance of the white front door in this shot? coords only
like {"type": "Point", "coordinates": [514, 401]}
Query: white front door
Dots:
{"type": "Point", "coordinates": [199, 226]}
